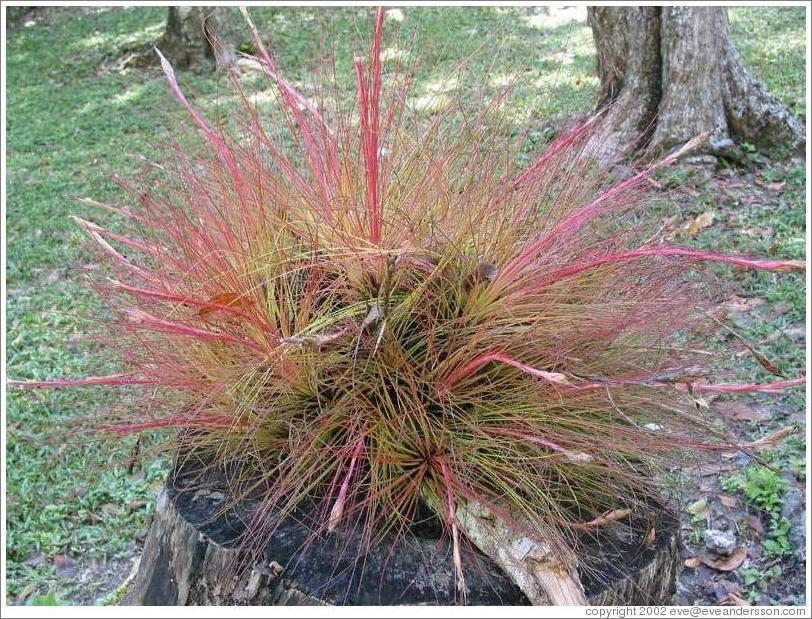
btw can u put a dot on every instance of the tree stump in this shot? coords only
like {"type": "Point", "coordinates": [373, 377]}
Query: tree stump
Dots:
{"type": "Point", "coordinates": [196, 34]}
{"type": "Point", "coordinates": [191, 557]}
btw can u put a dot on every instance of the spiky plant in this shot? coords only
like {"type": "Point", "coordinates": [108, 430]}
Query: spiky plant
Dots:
{"type": "Point", "coordinates": [368, 311]}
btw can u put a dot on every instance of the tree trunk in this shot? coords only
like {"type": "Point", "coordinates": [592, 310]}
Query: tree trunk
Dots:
{"type": "Point", "coordinates": [671, 73]}
{"type": "Point", "coordinates": [196, 35]}
{"type": "Point", "coordinates": [191, 557]}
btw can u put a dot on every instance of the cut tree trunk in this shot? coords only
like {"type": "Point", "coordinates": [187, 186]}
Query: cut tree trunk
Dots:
{"type": "Point", "coordinates": [669, 74]}
{"type": "Point", "coordinates": [192, 556]}
{"type": "Point", "coordinates": [196, 35]}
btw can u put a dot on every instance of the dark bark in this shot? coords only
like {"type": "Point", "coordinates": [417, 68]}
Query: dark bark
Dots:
{"type": "Point", "coordinates": [671, 73]}
{"type": "Point", "coordinates": [191, 557]}
{"type": "Point", "coordinates": [196, 35]}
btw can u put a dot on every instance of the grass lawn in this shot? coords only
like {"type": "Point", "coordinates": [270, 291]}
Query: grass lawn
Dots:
{"type": "Point", "coordinates": [74, 117]}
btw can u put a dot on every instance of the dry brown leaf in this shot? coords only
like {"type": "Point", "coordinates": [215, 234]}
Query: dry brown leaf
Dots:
{"type": "Point", "coordinates": [742, 304]}
{"type": "Point", "coordinates": [693, 562]}
{"type": "Point", "coordinates": [796, 333]}
{"type": "Point", "coordinates": [733, 599]}
{"type": "Point", "coordinates": [650, 536]}
{"type": "Point", "coordinates": [726, 564]}
{"type": "Point", "coordinates": [63, 564]}
{"type": "Point", "coordinates": [771, 439]}
{"type": "Point", "coordinates": [612, 516]}
{"type": "Point", "coordinates": [35, 559]}
{"type": "Point", "coordinates": [109, 509]}
{"type": "Point", "coordinates": [700, 223]}
{"type": "Point", "coordinates": [728, 501]}
{"type": "Point", "coordinates": [136, 504]}
{"type": "Point", "coordinates": [754, 522]}
{"type": "Point", "coordinates": [26, 591]}
{"type": "Point", "coordinates": [739, 411]}
{"type": "Point", "coordinates": [765, 362]}
{"type": "Point", "coordinates": [61, 561]}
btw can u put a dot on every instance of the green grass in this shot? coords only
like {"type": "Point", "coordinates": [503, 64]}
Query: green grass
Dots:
{"type": "Point", "coordinates": [764, 489]}
{"type": "Point", "coordinates": [73, 120]}
{"type": "Point", "coordinates": [772, 41]}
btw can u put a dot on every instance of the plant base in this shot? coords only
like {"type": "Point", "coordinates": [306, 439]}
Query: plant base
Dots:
{"type": "Point", "coordinates": [191, 557]}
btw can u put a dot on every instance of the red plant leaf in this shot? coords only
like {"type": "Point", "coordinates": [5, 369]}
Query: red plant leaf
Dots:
{"type": "Point", "coordinates": [224, 301]}
{"type": "Point", "coordinates": [114, 380]}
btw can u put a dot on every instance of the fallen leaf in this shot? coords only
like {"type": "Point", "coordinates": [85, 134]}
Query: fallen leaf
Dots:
{"type": "Point", "coordinates": [734, 599]}
{"type": "Point", "coordinates": [62, 563]}
{"type": "Point", "coordinates": [739, 411]}
{"type": "Point", "coordinates": [754, 522]}
{"type": "Point", "coordinates": [796, 333]}
{"type": "Point", "coordinates": [771, 439]}
{"type": "Point", "coordinates": [700, 223]}
{"type": "Point", "coordinates": [136, 504]}
{"type": "Point", "coordinates": [726, 564]}
{"type": "Point", "coordinates": [612, 516]}
{"type": "Point", "coordinates": [668, 231]}
{"type": "Point", "coordinates": [35, 559]}
{"type": "Point", "coordinates": [693, 562]}
{"type": "Point", "coordinates": [765, 362]}
{"type": "Point", "coordinates": [723, 588]}
{"type": "Point", "coordinates": [741, 304]}
{"type": "Point", "coordinates": [781, 308]}
{"type": "Point", "coordinates": [651, 535]}
{"type": "Point", "coordinates": [728, 501]}
{"type": "Point", "coordinates": [26, 591]}
{"type": "Point", "coordinates": [729, 586]}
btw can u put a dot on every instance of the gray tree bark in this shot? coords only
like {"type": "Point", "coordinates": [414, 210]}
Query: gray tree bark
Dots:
{"type": "Point", "coordinates": [671, 73]}
{"type": "Point", "coordinates": [195, 35]}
